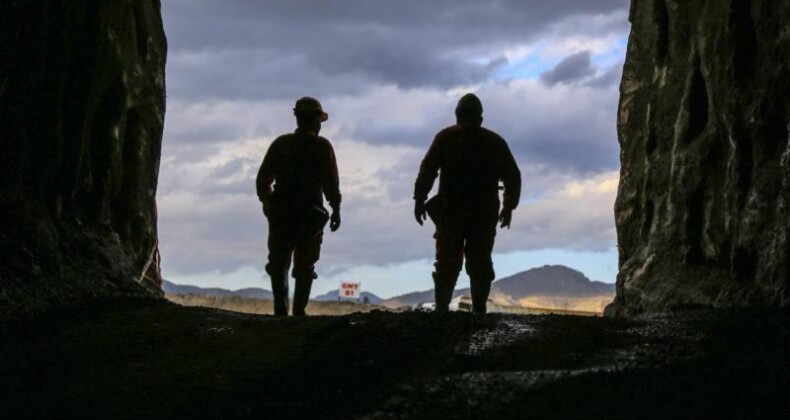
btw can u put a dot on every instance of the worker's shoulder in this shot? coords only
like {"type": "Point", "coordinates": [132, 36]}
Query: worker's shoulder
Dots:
{"type": "Point", "coordinates": [323, 140]}
{"type": "Point", "coordinates": [283, 139]}
{"type": "Point", "coordinates": [448, 132]}
{"type": "Point", "coordinates": [456, 130]}
{"type": "Point", "coordinates": [324, 144]}
{"type": "Point", "coordinates": [491, 134]}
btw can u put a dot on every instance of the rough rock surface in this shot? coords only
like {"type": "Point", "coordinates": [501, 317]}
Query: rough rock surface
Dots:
{"type": "Point", "coordinates": [81, 114]}
{"type": "Point", "coordinates": [703, 208]}
{"type": "Point", "coordinates": [131, 361]}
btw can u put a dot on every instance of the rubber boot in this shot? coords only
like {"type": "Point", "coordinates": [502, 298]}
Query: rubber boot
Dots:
{"type": "Point", "coordinates": [301, 295]}
{"type": "Point", "coordinates": [443, 293]}
{"type": "Point", "coordinates": [480, 292]}
{"type": "Point", "coordinates": [280, 291]}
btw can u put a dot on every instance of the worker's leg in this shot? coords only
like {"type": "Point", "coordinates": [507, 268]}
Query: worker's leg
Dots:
{"type": "Point", "coordinates": [280, 251]}
{"type": "Point", "coordinates": [306, 254]}
{"type": "Point", "coordinates": [449, 259]}
{"type": "Point", "coordinates": [478, 248]}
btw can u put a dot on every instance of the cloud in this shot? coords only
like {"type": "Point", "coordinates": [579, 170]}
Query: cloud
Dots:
{"type": "Point", "coordinates": [570, 69]}
{"type": "Point", "coordinates": [611, 77]}
{"type": "Point", "coordinates": [203, 229]}
{"type": "Point", "coordinates": [389, 74]}
{"type": "Point", "coordinates": [569, 127]}
{"type": "Point", "coordinates": [579, 216]}
{"type": "Point", "coordinates": [216, 233]}
{"type": "Point", "coordinates": [210, 217]}
{"type": "Point", "coordinates": [274, 49]}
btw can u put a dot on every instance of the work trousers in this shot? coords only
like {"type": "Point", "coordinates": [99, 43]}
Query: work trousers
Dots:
{"type": "Point", "coordinates": [284, 245]}
{"type": "Point", "coordinates": [473, 239]}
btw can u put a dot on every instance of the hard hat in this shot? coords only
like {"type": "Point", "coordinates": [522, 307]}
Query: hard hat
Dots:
{"type": "Point", "coordinates": [308, 104]}
{"type": "Point", "coordinates": [469, 104]}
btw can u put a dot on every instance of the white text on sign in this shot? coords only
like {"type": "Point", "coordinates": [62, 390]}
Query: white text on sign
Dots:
{"type": "Point", "coordinates": [349, 290]}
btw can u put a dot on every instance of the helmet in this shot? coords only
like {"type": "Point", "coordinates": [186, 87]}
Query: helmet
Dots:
{"type": "Point", "coordinates": [308, 104]}
{"type": "Point", "coordinates": [469, 104]}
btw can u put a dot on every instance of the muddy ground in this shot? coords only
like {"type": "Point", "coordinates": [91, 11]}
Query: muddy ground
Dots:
{"type": "Point", "coordinates": [137, 359]}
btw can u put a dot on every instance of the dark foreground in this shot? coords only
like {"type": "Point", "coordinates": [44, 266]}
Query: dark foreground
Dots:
{"type": "Point", "coordinates": [152, 360]}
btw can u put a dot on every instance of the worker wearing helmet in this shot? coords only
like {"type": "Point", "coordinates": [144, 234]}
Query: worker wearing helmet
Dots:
{"type": "Point", "coordinates": [303, 168]}
{"type": "Point", "coordinates": [470, 161]}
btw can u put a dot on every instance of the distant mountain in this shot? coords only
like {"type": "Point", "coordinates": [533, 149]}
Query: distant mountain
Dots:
{"type": "Point", "coordinates": [252, 292]}
{"type": "Point", "coordinates": [550, 285]}
{"type": "Point", "coordinates": [551, 280]}
{"type": "Point", "coordinates": [333, 295]}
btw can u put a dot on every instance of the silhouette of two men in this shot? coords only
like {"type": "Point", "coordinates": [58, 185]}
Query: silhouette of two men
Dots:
{"type": "Point", "coordinates": [470, 161]}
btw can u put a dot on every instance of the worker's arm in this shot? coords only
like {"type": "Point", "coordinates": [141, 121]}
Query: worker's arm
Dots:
{"type": "Point", "coordinates": [429, 170]}
{"type": "Point", "coordinates": [267, 175]}
{"type": "Point", "coordinates": [511, 178]}
{"type": "Point", "coordinates": [331, 186]}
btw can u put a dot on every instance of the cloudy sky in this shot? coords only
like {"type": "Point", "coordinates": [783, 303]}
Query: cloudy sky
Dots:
{"type": "Point", "coordinates": [389, 73]}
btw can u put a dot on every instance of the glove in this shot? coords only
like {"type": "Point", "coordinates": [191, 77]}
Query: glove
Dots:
{"type": "Point", "coordinates": [505, 216]}
{"type": "Point", "coordinates": [419, 211]}
{"type": "Point", "coordinates": [334, 220]}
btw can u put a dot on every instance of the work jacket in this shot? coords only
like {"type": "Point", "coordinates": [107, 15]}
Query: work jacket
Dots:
{"type": "Point", "coordinates": [303, 168]}
{"type": "Point", "coordinates": [472, 161]}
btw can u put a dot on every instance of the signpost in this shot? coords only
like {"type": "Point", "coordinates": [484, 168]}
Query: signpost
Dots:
{"type": "Point", "coordinates": [349, 290]}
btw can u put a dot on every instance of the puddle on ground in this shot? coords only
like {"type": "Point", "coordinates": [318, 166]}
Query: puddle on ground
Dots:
{"type": "Point", "coordinates": [220, 330]}
{"type": "Point", "coordinates": [506, 331]}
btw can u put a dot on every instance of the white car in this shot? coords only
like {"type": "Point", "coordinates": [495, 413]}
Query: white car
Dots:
{"type": "Point", "coordinates": [425, 307]}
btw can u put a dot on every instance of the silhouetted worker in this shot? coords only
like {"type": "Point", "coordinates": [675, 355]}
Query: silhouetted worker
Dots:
{"type": "Point", "coordinates": [472, 160]}
{"type": "Point", "coordinates": [304, 169]}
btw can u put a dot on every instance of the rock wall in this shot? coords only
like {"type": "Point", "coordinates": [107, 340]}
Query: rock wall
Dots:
{"type": "Point", "coordinates": [82, 103]}
{"type": "Point", "coordinates": [703, 207]}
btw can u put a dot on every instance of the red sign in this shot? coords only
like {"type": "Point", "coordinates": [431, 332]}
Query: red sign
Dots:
{"type": "Point", "coordinates": [349, 290]}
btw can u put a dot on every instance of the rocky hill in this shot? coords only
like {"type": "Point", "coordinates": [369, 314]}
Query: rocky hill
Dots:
{"type": "Point", "coordinates": [551, 280]}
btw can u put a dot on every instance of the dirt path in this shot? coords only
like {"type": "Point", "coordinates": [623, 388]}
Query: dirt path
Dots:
{"type": "Point", "coordinates": [133, 360]}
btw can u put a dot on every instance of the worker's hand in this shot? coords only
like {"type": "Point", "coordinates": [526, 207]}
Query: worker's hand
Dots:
{"type": "Point", "coordinates": [505, 216]}
{"type": "Point", "coordinates": [419, 211]}
{"type": "Point", "coordinates": [334, 221]}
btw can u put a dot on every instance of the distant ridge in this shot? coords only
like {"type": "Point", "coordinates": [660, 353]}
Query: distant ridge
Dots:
{"type": "Point", "coordinates": [554, 280]}
{"type": "Point", "coordinates": [252, 292]}
{"type": "Point", "coordinates": [549, 285]}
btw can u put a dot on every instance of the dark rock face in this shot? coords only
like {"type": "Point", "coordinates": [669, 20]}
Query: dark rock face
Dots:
{"type": "Point", "coordinates": [82, 103]}
{"type": "Point", "coordinates": [703, 208]}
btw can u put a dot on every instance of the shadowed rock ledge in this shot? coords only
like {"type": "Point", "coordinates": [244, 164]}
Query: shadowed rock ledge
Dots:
{"type": "Point", "coordinates": [82, 103]}
{"type": "Point", "coordinates": [703, 208]}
